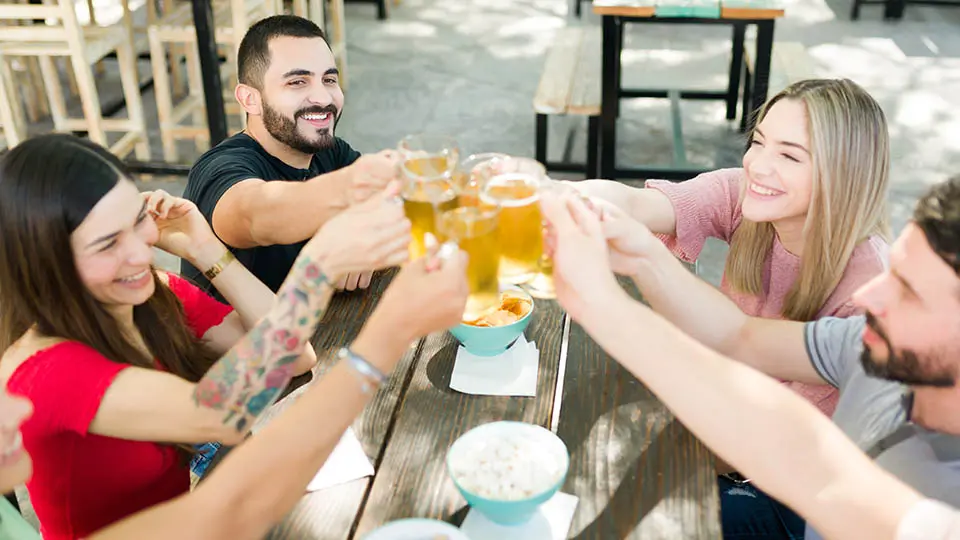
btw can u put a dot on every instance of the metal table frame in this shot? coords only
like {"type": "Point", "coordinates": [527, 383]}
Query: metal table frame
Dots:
{"type": "Point", "coordinates": [612, 91]}
{"type": "Point", "coordinates": [893, 9]}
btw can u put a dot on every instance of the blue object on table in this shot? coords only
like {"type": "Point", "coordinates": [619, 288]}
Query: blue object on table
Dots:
{"type": "Point", "coordinates": [516, 511]}
{"type": "Point", "coordinates": [205, 453]}
{"type": "Point", "coordinates": [704, 9]}
{"type": "Point", "coordinates": [492, 340]}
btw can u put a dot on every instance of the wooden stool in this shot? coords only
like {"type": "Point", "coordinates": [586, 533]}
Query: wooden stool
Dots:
{"type": "Point", "coordinates": [336, 32]}
{"type": "Point", "coordinates": [62, 36]}
{"type": "Point", "coordinates": [232, 18]}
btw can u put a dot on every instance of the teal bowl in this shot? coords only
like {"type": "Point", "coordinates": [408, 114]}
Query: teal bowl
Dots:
{"type": "Point", "coordinates": [493, 340]}
{"type": "Point", "coordinates": [539, 444]}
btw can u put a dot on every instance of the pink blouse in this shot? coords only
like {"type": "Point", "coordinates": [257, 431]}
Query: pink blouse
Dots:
{"type": "Point", "coordinates": [709, 206]}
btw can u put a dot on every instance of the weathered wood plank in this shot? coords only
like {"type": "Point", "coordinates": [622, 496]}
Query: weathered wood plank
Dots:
{"type": "Point", "coordinates": [331, 513]}
{"type": "Point", "coordinates": [585, 96]}
{"type": "Point", "coordinates": [553, 91]}
{"type": "Point", "coordinates": [412, 480]}
{"type": "Point", "coordinates": [638, 472]}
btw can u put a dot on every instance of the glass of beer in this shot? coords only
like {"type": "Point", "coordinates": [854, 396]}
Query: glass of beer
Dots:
{"type": "Point", "coordinates": [424, 199]}
{"type": "Point", "coordinates": [429, 155]}
{"type": "Point", "coordinates": [515, 188]}
{"type": "Point", "coordinates": [471, 175]}
{"type": "Point", "coordinates": [475, 229]}
{"type": "Point", "coordinates": [428, 164]}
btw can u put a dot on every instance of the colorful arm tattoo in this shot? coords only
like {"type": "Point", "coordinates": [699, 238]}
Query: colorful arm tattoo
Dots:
{"type": "Point", "coordinates": [252, 374]}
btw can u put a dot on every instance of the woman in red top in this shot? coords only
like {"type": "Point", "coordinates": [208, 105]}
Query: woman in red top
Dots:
{"type": "Point", "coordinates": [114, 355]}
{"type": "Point", "coordinates": [266, 475]}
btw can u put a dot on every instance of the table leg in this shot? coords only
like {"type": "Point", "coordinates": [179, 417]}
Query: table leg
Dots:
{"type": "Point", "coordinates": [609, 97]}
{"type": "Point", "coordinates": [893, 9]}
{"type": "Point", "coordinates": [761, 68]}
{"type": "Point", "coordinates": [736, 61]}
{"type": "Point", "coordinates": [593, 134]}
{"type": "Point", "coordinates": [618, 66]}
{"type": "Point", "coordinates": [210, 70]}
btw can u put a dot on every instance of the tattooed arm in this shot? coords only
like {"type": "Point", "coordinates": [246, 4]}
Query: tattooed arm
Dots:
{"type": "Point", "coordinates": [144, 404]}
{"type": "Point", "coordinates": [251, 375]}
{"type": "Point", "coordinates": [260, 481]}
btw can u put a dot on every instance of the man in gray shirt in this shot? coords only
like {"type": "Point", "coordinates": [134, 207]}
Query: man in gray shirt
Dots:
{"type": "Point", "coordinates": [896, 368]}
{"type": "Point", "coordinates": [875, 413]}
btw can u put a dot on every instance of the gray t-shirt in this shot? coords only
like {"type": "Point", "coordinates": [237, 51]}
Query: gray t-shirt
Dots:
{"type": "Point", "coordinates": [873, 413]}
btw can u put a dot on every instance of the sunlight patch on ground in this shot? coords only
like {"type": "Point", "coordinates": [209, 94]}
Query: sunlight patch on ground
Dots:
{"type": "Point", "coordinates": [808, 12]}
{"type": "Point", "coordinates": [412, 29]}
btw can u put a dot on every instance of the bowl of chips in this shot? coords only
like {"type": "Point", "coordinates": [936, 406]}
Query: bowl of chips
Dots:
{"type": "Point", "coordinates": [495, 331]}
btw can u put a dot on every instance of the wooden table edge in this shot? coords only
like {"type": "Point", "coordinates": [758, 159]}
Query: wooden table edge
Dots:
{"type": "Point", "coordinates": [750, 13]}
{"type": "Point", "coordinates": [725, 12]}
{"type": "Point", "coordinates": [625, 11]}
{"type": "Point", "coordinates": [561, 374]}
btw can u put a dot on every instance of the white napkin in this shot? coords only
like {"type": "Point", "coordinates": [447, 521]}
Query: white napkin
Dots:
{"type": "Point", "coordinates": [347, 462]}
{"type": "Point", "coordinates": [512, 373]}
{"type": "Point", "coordinates": [551, 522]}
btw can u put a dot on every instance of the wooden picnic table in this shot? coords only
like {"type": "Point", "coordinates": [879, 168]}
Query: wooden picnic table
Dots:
{"type": "Point", "coordinates": [638, 472]}
{"type": "Point", "coordinates": [737, 14]}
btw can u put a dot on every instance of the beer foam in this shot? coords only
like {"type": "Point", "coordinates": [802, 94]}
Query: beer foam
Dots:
{"type": "Point", "coordinates": [505, 180]}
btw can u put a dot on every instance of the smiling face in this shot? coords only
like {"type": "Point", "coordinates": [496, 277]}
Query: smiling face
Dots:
{"type": "Point", "coordinates": [913, 314]}
{"type": "Point", "coordinates": [112, 248]}
{"type": "Point", "coordinates": [301, 98]}
{"type": "Point", "coordinates": [779, 166]}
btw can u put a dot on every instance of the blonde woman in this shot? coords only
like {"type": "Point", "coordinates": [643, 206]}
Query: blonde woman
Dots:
{"type": "Point", "coordinates": [806, 221]}
{"type": "Point", "coordinates": [805, 217]}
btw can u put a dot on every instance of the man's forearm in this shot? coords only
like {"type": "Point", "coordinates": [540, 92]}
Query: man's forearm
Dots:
{"type": "Point", "coordinates": [774, 437]}
{"type": "Point", "coordinates": [254, 371]}
{"type": "Point", "coordinates": [291, 212]}
{"type": "Point", "coordinates": [693, 305]}
{"type": "Point", "coordinates": [775, 347]}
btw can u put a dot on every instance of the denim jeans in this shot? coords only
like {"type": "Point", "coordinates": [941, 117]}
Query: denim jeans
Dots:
{"type": "Point", "coordinates": [205, 453]}
{"type": "Point", "coordinates": [748, 513]}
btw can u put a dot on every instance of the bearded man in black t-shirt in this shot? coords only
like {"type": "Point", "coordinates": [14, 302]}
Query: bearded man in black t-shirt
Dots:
{"type": "Point", "coordinates": [267, 190]}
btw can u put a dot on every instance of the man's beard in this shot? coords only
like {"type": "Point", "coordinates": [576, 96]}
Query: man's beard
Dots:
{"type": "Point", "coordinates": [904, 366]}
{"type": "Point", "coordinates": [284, 129]}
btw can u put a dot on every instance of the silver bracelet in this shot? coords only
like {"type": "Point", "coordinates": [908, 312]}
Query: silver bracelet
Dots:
{"type": "Point", "coordinates": [368, 371]}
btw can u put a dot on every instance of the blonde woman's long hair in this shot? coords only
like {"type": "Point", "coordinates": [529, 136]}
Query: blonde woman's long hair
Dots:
{"type": "Point", "coordinates": [850, 149]}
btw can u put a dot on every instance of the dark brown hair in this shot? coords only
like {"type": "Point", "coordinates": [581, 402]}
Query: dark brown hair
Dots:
{"type": "Point", "coordinates": [48, 185]}
{"type": "Point", "coordinates": [253, 56]}
{"type": "Point", "coordinates": [938, 216]}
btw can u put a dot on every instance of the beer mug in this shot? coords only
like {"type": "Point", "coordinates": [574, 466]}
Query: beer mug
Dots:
{"type": "Point", "coordinates": [427, 167]}
{"type": "Point", "coordinates": [476, 230]}
{"type": "Point", "coordinates": [472, 174]}
{"type": "Point", "coordinates": [515, 187]}
{"type": "Point", "coordinates": [429, 155]}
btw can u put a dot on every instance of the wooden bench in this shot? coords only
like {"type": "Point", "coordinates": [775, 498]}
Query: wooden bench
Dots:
{"type": "Point", "coordinates": [789, 62]}
{"type": "Point", "coordinates": [570, 85]}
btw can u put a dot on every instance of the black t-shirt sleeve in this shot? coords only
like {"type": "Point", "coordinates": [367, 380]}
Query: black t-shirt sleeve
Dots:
{"type": "Point", "coordinates": [212, 176]}
{"type": "Point", "coordinates": [346, 155]}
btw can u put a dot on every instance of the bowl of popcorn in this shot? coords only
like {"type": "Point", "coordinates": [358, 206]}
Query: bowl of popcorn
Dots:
{"type": "Point", "coordinates": [506, 470]}
{"type": "Point", "coordinates": [497, 329]}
